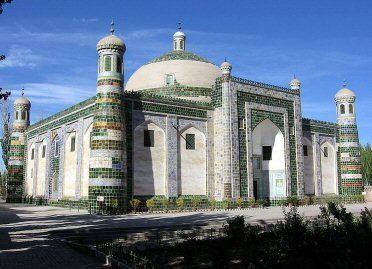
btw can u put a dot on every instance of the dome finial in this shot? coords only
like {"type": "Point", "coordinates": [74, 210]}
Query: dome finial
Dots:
{"type": "Point", "coordinates": [344, 83]}
{"type": "Point", "coordinates": [112, 29]}
{"type": "Point", "coordinates": [179, 26]}
{"type": "Point", "coordinates": [23, 92]}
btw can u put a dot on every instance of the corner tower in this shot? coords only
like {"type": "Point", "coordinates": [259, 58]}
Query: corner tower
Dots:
{"type": "Point", "coordinates": [107, 166]}
{"type": "Point", "coordinates": [349, 158]}
{"type": "Point", "coordinates": [17, 150]}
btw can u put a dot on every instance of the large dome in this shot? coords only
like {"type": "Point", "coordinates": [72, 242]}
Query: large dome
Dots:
{"type": "Point", "coordinates": [187, 69]}
{"type": "Point", "coordinates": [176, 70]}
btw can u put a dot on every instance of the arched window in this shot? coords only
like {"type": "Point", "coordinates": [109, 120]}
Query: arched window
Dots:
{"type": "Point", "coordinates": [108, 63]}
{"type": "Point", "coordinates": [342, 109]}
{"type": "Point", "coordinates": [17, 116]}
{"type": "Point", "coordinates": [351, 109]}
{"type": "Point", "coordinates": [175, 45]}
{"type": "Point", "coordinates": [181, 45]}
{"type": "Point", "coordinates": [118, 65]}
{"type": "Point", "coordinates": [23, 115]}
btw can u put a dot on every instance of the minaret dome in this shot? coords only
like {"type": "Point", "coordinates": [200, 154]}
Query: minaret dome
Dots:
{"type": "Point", "coordinates": [179, 39]}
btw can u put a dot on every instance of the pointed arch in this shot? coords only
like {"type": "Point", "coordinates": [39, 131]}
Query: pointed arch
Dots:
{"type": "Point", "coordinates": [269, 148]}
{"type": "Point", "coordinates": [192, 164]}
{"type": "Point", "coordinates": [29, 186]}
{"type": "Point", "coordinates": [309, 176]}
{"type": "Point", "coordinates": [149, 159]}
{"type": "Point", "coordinates": [70, 165]}
{"type": "Point", "coordinates": [41, 168]}
{"type": "Point", "coordinates": [328, 168]}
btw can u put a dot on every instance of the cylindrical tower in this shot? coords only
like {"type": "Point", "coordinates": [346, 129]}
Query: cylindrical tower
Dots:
{"type": "Point", "coordinates": [17, 150]}
{"type": "Point", "coordinates": [349, 159]}
{"type": "Point", "coordinates": [107, 166]}
{"type": "Point", "coordinates": [226, 68]}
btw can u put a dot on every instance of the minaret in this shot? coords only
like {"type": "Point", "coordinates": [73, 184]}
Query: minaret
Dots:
{"type": "Point", "coordinates": [226, 68]}
{"type": "Point", "coordinates": [349, 157]}
{"type": "Point", "coordinates": [107, 166]}
{"type": "Point", "coordinates": [295, 84]}
{"type": "Point", "coordinates": [179, 39]}
{"type": "Point", "coordinates": [17, 150]}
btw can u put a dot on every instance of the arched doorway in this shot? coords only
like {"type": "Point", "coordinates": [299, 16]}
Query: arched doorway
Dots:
{"type": "Point", "coordinates": [268, 161]}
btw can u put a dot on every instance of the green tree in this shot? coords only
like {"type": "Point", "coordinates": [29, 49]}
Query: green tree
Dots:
{"type": "Point", "coordinates": [5, 139]}
{"type": "Point", "coordinates": [366, 153]}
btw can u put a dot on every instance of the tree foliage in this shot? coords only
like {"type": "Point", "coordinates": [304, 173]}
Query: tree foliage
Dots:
{"type": "Point", "coordinates": [366, 153]}
{"type": "Point", "coordinates": [5, 139]}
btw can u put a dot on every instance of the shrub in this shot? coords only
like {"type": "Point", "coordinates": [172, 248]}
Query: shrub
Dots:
{"type": "Point", "coordinates": [235, 227]}
{"type": "Point", "coordinates": [239, 202]}
{"type": "Point", "coordinates": [135, 204]}
{"type": "Point", "coordinates": [213, 204]}
{"type": "Point", "coordinates": [307, 200]}
{"type": "Point", "coordinates": [150, 203]}
{"type": "Point", "coordinates": [292, 201]}
{"type": "Point", "coordinates": [180, 203]}
{"type": "Point", "coordinates": [228, 204]}
{"type": "Point", "coordinates": [251, 202]}
{"type": "Point", "coordinates": [195, 202]}
{"type": "Point", "coordinates": [263, 202]}
{"type": "Point", "coordinates": [164, 202]}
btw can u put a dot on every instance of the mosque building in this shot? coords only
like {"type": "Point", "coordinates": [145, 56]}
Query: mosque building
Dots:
{"type": "Point", "coordinates": [182, 126]}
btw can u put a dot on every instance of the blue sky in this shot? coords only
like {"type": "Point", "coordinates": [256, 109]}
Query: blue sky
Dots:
{"type": "Point", "coordinates": [50, 46]}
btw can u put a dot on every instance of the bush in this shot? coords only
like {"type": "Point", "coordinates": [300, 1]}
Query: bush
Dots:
{"type": "Point", "coordinates": [263, 202]}
{"type": "Point", "coordinates": [150, 203]}
{"type": "Point", "coordinates": [292, 201]}
{"type": "Point", "coordinates": [228, 204]}
{"type": "Point", "coordinates": [239, 202]}
{"type": "Point", "coordinates": [195, 202]}
{"type": "Point", "coordinates": [213, 204]}
{"type": "Point", "coordinates": [251, 202]}
{"type": "Point", "coordinates": [135, 204]}
{"type": "Point", "coordinates": [180, 203]}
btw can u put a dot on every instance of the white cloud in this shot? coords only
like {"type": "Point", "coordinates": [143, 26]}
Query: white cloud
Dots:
{"type": "Point", "coordinates": [55, 94]}
{"type": "Point", "coordinates": [85, 20]}
{"type": "Point", "coordinates": [20, 57]}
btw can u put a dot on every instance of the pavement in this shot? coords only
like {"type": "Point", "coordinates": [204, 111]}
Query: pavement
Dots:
{"type": "Point", "coordinates": [26, 241]}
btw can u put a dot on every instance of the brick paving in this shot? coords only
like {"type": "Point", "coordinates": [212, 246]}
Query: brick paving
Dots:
{"type": "Point", "coordinates": [25, 240]}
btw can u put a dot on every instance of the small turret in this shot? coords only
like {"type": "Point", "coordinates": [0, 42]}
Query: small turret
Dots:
{"type": "Point", "coordinates": [226, 68]}
{"type": "Point", "coordinates": [21, 113]}
{"type": "Point", "coordinates": [295, 84]}
{"type": "Point", "coordinates": [179, 39]}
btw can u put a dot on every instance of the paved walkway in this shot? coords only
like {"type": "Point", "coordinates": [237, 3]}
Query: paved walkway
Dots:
{"type": "Point", "coordinates": [25, 240]}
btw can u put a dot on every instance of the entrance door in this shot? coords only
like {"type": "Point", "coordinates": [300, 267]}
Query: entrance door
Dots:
{"type": "Point", "coordinates": [257, 173]}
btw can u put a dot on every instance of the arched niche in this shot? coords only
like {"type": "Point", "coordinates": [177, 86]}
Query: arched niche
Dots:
{"type": "Point", "coordinates": [192, 163]}
{"type": "Point", "coordinates": [308, 153]}
{"type": "Point", "coordinates": [149, 160]}
{"type": "Point", "coordinates": [41, 168]}
{"type": "Point", "coordinates": [70, 165]}
{"type": "Point", "coordinates": [29, 186]}
{"type": "Point", "coordinates": [328, 162]}
{"type": "Point", "coordinates": [268, 169]}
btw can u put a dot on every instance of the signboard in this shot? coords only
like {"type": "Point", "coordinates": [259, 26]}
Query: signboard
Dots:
{"type": "Point", "coordinates": [100, 198]}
